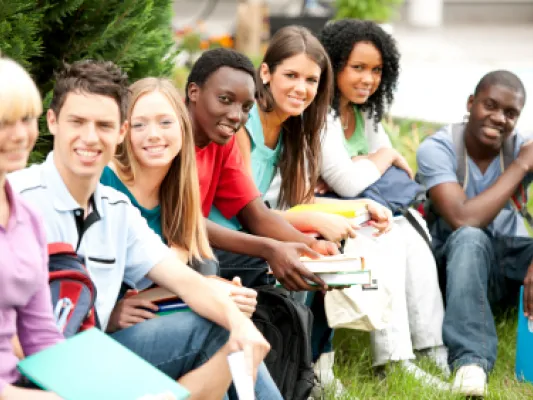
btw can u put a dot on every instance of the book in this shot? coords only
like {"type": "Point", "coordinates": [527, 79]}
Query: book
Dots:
{"type": "Point", "coordinates": [166, 301]}
{"type": "Point", "coordinates": [357, 213]}
{"type": "Point", "coordinates": [345, 278]}
{"type": "Point", "coordinates": [339, 263]}
{"type": "Point", "coordinates": [92, 365]}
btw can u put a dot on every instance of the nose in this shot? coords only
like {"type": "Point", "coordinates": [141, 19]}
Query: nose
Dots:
{"type": "Point", "coordinates": [153, 132]}
{"type": "Point", "coordinates": [235, 114]}
{"type": "Point", "coordinates": [19, 131]}
{"type": "Point", "coordinates": [300, 87]}
{"type": "Point", "coordinates": [367, 78]}
{"type": "Point", "coordinates": [89, 135]}
{"type": "Point", "coordinates": [498, 117]}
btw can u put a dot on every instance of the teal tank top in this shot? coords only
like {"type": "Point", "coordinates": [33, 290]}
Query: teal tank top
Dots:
{"type": "Point", "coordinates": [264, 164]}
{"type": "Point", "coordinates": [152, 216]}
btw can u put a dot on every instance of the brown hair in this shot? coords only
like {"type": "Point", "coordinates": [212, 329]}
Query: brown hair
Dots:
{"type": "Point", "coordinates": [90, 76]}
{"type": "Point", "coordinates": [300, 157]}
{"type": "Point", "coordinates": [182, 221]}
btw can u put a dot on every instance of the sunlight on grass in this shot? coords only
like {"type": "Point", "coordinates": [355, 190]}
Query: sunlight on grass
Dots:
{"type": "Point", "coordinates": [353, 358]}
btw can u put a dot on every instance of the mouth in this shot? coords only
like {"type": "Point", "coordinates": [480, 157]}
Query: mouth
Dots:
{"type": "Point", "coordinates": [227, 130]}
{"type": "Point", "coordinates": [363, 92]}
{"type": "Point", "coordinates": [87, 156]}
{"type": "Point", "coordinates": [15, 153]}
{"type": "Point", "coordinates": [492, 132]}
{"type": "Point", "coordinates": [296, 100]}
{"type": "Point", "coordinates": [155, 149]}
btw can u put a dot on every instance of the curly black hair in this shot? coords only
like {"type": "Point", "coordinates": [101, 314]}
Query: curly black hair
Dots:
{"type": "Point", "coordinates": [212, 60]}
{"type": "Point", "coordinates": [340, 37]}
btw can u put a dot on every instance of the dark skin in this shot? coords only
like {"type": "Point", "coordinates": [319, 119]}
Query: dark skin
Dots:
{"type": "Point", "coordinates": [494, 112]}
{"type": "Point", "coordinates": [218, 109]}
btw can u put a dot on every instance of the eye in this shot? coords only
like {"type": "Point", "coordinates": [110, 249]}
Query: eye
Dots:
{"type": "Point", "coordinates": [166, 123]}
{"type": "Point", "coordinates": [511, 114]}
{"type": "Point", "coordinates": [138, 126]}
{"type": "Point", "coordinates": [290, 75]}
{"type": "Point", "coordinates": [378, 70]}
{"type": "Point", "coordinates": [490, 105]}
{"type": "Point", "coordinates": [224, 99]}
{"type": "Point", "coordinates": [312, 80]}
{"type": "Point", "coordinates": [357, 67]}
{"type": "Point", "coordinates": [106, 126]}
{"type": "Point", "coordinates": [76, 122]}
{"type": "Point", "coordinates": [247, 107]}
{"type": "Point", "coordinates": [27, 119]}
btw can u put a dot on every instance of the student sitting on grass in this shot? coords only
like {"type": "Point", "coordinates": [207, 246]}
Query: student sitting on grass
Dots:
{"type": "Point", "coordinates": [282, 135]}
{"type": "Point", "coordinates": [479, 237]}
{"type": "Point", "coordinates": [220, 94]}
{"type": "Point", "coordinates": [356, 152]}
{"type": "Point", "coordinates": [25, 303]}
{"type": "Point", "coordinates": [87, 118]}
{"type": "Point", "coordinates": [155, 167]}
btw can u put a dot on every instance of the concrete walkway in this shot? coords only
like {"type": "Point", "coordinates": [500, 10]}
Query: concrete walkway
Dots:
{"type": "Point", "coordinates": [441, 67]}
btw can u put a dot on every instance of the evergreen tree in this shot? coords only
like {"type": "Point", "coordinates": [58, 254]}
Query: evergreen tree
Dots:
{"type": "Point", "coordinates": [42, 34]}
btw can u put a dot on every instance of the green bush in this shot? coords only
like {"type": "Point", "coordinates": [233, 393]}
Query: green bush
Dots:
{"type": "Point", "coordinates": [375, 10]}
{"type": "Point", "coordinates": [135, 34]}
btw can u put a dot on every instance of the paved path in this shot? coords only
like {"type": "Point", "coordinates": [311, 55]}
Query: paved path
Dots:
{"type": "Point", "coordinates": [439, 67]}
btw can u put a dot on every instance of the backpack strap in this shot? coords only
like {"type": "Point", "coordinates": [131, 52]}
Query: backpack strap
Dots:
{"type": "Point", "coordinates": [458, 140]}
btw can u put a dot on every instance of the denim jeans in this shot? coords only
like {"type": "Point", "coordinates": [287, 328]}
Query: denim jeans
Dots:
{"type": "Point", "coordinates": [481, 270]}
{"type": "Point", "coordinates": [322, 334]}
{"type": "Point", "coordinates": [178, 343]}
{"type": "Point", "coordinates": [253, 271]}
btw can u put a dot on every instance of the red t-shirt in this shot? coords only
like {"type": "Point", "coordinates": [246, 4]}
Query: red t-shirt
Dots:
{"type": "Point", "coordinates": [224, 182]}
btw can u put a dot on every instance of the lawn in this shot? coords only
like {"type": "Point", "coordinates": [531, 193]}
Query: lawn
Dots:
{"type": "Point", "coordinates": [353, 364]}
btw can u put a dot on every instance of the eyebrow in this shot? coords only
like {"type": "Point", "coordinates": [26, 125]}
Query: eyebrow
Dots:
{"type": "Point", "coordinates": [298, 73]}
{"type": "Point", "coordinates": [105, 121]}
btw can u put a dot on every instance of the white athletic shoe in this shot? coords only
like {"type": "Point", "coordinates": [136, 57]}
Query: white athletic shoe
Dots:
{"type": "Point", "coordinates": [424, 377]}
{"type": "Point", "coordinates": [439, 355]}
{"type": "Point", "coordinates": [470, 380]}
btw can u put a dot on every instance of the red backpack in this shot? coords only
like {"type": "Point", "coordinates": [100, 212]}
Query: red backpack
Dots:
{"type": "Point", "coordinates": [73, 291]}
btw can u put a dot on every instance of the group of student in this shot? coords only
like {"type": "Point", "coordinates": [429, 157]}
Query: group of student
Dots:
{"type": "Point", "coordinates": [153, 189]}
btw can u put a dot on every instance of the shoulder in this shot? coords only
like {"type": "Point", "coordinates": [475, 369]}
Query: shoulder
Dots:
{"type": "Point", "coordinates": [28, 179]}
{"type": "Point", "coordinates": [440, 141]}
{"type": "Point", "coordinates": [109, 177]}
{"type": "Point", "coordinates": [113, 198]}
{"type": "Point", "coordinates": [253, 126]}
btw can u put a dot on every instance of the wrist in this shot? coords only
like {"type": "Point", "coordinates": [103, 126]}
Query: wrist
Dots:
{"type": "Point", "coordinates": [267, 248]}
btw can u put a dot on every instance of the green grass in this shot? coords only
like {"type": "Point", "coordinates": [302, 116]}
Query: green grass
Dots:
{"type": "Point", "coordinates": [353, 359]}
{"type": "Point", "coordinates": [353, 367]}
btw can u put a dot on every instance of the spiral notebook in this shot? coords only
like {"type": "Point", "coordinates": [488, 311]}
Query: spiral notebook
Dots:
{"type": "Point", "coordinates": [92, 365]}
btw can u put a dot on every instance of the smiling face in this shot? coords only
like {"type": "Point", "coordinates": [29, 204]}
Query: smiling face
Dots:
{"type": "Point", "coordinates": [155, 131]}
{"type": "Point", "coordinates": [361, 76]}
{"type": "Point", "coordinates": [293, 84]}
{"type": "Point", "coordinates": [16, 141]}
{"type": "Point", "coordinates": [221, 105]}
{"type": "Point", "coordinates": [86, 134]}
{"type": "Point", "coordinates": [494, 112]}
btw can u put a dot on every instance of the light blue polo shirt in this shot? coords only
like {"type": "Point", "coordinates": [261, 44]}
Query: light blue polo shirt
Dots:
{"type": "Point", "coordinates": [116, 243]}
{"type": "Point", "coordinates": [437, 163]}
{"type": "Point", "coordinates": [264, 162]}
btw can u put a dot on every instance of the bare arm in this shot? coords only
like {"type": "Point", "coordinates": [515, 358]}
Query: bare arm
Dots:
{"type": "Point", "coordinates": [451, 203]}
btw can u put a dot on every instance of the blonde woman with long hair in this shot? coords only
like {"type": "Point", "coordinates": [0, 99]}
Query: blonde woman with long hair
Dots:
{"type": "Point", "coordinates": [156, 168]}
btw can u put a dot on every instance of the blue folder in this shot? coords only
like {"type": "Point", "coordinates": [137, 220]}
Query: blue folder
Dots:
{"type": "Point", "coordinates": [93, 366]}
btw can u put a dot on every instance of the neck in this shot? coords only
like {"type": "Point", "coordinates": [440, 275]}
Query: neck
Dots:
{"type": "Point", "coordinates": [200, 138]}
{"type": "Point", "coordinates": [271, 122]}
{"type": "Point", "coordinates": [477, 151]}
{"type": "Point", "coordinates": [80, 188]}
{"type": "Point", "coordinates": [344, 105]}
{"type": "Point", "coordinates": [146, 186]}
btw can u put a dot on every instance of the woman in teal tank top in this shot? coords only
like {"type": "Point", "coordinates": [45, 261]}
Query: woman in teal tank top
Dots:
{"type": "Point", "coordinates": [155, 167]}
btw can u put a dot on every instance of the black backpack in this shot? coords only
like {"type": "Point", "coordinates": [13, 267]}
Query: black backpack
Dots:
{"type": "Point", "coordinates": [286, 324]}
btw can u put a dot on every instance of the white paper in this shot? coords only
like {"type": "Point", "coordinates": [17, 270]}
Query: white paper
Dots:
{"type": "Point", "coordinates": [244, 383]}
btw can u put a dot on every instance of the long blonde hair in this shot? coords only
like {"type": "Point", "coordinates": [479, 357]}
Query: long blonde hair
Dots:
{"type": "Point", "coordinates": [182, 221]}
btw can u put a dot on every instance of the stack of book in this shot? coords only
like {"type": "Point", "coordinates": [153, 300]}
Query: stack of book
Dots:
{"type": "Point", "coordinates": [166, 301]}
{"type": "Point", "coordinates": [339, 270]}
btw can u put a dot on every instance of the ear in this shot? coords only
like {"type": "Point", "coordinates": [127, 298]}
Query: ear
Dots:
{"type": "Point", "coordinates": [264, 74]}
{"type": "Point", "coordinates": [122, 133]}
{"type": "Point", "coordinates": [51, 121]}
{"type": "Point", "coordinates": [470, 102]}
{"type": "Point", "coordinates": [193, 91]}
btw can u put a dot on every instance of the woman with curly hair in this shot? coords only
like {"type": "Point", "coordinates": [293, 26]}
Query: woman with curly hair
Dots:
{"type": "Point", "coordinates": [356, 152]}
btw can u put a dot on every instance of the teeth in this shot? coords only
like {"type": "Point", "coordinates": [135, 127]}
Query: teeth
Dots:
{"type": "Point", "coordinates": [227, 129]}
{"type": "Point", "coordinates": [155, 149]}
{"type": "Point", "coordinates": [87, 153]}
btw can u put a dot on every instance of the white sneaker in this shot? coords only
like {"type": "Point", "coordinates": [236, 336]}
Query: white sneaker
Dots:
{"type": "Point", "coordinates": [326, 379]}
{"type": "Point", "coordinates": [470, 380]}
{"type": "Point", "coordinates": [439, 355]}
{"type": "Point", "coordinates": [423, 376]}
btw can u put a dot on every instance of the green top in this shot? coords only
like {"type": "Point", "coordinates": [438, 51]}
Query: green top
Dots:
{"type": "Point", "coordinates": [264, 164]}
{"type": "Point", "coordinates": [152, 216]}
{"type": "Point", "coordinates": [357, 144]}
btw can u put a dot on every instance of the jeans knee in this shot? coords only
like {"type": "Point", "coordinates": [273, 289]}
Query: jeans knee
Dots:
{"type": "Point", "coordinates": [469, 235]}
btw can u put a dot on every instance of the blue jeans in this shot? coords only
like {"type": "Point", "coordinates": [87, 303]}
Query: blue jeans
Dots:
{"type": "Point", "coordinates": [322, 334]}
{"type": "Point", "coordinates": [481, 270]}
{"type": "Point", "coordinates": [178, 343]}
